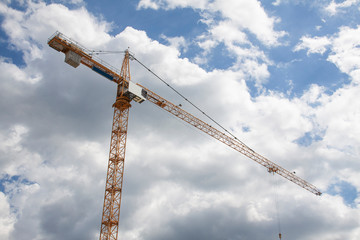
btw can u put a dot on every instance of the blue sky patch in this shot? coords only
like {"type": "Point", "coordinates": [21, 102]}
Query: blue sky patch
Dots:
{"type": "Point", "coordinates": [219, 58]}
{"type": "Point", "coordinates": [279, 48]}
{"type": "Point", "coordinates": [7, 179]}
{"type": "Point", "coordinates": [308, 139]}
{"type": "Point", "coordinates": [346, 190]}
{"type": "Point", "coordinates": [303, 73]}
{"type": "Point", "coordinates": [7, 50]}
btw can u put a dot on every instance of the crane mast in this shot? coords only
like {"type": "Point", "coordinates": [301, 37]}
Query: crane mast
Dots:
{"type": "Point", "coordinates": [74, 55]}
{"type": "Point", "coordinates": [127, 91]}
{"type": "Point", "coordinates": [115, 171]}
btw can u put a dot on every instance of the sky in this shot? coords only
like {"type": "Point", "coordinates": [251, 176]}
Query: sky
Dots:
{"type": "Point", "coordinates": [283, 76]}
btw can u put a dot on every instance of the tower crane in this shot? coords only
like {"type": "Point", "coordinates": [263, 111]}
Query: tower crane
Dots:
{"type": "Point", "coordinates": [128, 91]}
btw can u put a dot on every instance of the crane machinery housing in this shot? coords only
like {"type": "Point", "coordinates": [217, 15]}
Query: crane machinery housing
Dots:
{"type": "Point", "coordinates": [128, 91]}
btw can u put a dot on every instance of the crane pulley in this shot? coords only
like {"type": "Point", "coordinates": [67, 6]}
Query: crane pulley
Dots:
{"type": "Point", "coordinates": [127, 91]}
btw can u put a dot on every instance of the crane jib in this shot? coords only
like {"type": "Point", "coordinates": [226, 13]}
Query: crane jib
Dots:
{"type": "Point", "coordinates": [228, 140]}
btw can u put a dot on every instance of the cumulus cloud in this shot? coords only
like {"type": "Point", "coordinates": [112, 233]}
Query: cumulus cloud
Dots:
{"type": "Point", "coordinates": [346, 50]}
{"type": "Point", "coordinates": [248, 15]}
{"type": "Point", "coordinates": [27, 29]}
{"type": "Point", "coordinates": [55, 129]}
{"type": "Point", "coordinates": [25, 75]}
{"type": "Point", "coordinates": [343, 46]}
{"type": "Point", "coordinates": [176, 42]}
{"type": "Point", "coordinates": [171, 4]}
{"type": "Point", "coordinates": [7, 218]}
{"type": "Point", "coordinates": [333, 7]}
{"type": "Point", "coordinates": [238, 21]}
{"type": "Point", "coordinates": [314, 45]}
{"type": "Point", "coordinates": [276, 3]}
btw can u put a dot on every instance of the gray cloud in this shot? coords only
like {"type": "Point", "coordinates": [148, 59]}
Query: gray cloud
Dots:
{"type": "Point", "coordinates": [179, 183]}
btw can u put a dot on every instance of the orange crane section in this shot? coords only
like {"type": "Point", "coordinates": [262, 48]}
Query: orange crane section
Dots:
{"type": "Point", "coordinates": [74, 55]}
{"type": "Point", "coordinates": [127, 91]}
{"type": "Point", "coordinates": [228, 140]}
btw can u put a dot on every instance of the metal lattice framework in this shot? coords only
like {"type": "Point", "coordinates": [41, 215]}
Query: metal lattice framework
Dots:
{"type": "Point", "coordinates": [76, 54]}
{"type": "Point", "coordinates": [228, 140]}
{"type": "Point", "coordinates": [115, 171]}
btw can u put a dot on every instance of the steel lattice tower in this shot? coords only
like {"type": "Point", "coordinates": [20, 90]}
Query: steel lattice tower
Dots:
{"type": "Point", "coordinates": [115, 171]}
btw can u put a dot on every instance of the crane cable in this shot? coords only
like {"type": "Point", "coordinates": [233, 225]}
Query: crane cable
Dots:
{"type": "Point", "coordinates": [276, 186]}
{"type": "Point", "coordinates": [218, 124]}
{"type": "Point", "coordinates": [132, 57]}
{"type": "Point", "coordinates": [187, 100]}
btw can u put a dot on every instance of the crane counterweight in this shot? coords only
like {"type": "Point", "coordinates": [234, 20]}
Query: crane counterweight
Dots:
{"type": "Point", "coordinates": [73, 59]}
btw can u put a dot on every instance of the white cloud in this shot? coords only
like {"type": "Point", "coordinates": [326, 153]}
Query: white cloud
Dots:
{"type": "Point", "coordinates": [239, 19]}
{"type": "Point", "coordinates": [340, 115]}
{"type": "Point", "coordinates": [276, 3]}
{"type": "Point", "coordinates": [250, 15]}
{"type": "Point", "coordinates": [243, 14]}
{"type": "Point", "coordinates": [333, 7]}
{"type": "Point", "coordinates": [25, 75]}
{"type": "Point", "coordinates": [314, 45]}
{"type": "Point", "coordinates": [344, 49]}
{"type": "Point", "coordinates": [78, 2]}
{"type": "Point", "coordinates": [7, 219]}
{"type": "Point", "coordinates": [171, 4]}
{"type": "Point", "coordinates": [27, 29]}
{"type": "Point", "coordinates": [176, 42]}
{"type": "Point", "coordinates": [58, 140]}
{"type": "Point", "coordinates": [228, 32]}
{"type": "Point", "coordinates": [148, 4]}
{"type": "Point", "coordinates": [12, 149]}
{"type": "Point", "coordinates": [168, 65]}
{"type": "Point", "coordinates": [256, 213]}
{"type": "Point", "coordinates": [13, 138]}
{"type": "Point", "coordinates": [42, 185]}
{"type": "Point", "coordinates": [313, 94]}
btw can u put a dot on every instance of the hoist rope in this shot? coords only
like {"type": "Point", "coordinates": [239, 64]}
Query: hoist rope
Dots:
{"type": "Point", "coordinates": [187, 100]}
{"type": "Point", "coordinates": [277, 205]}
